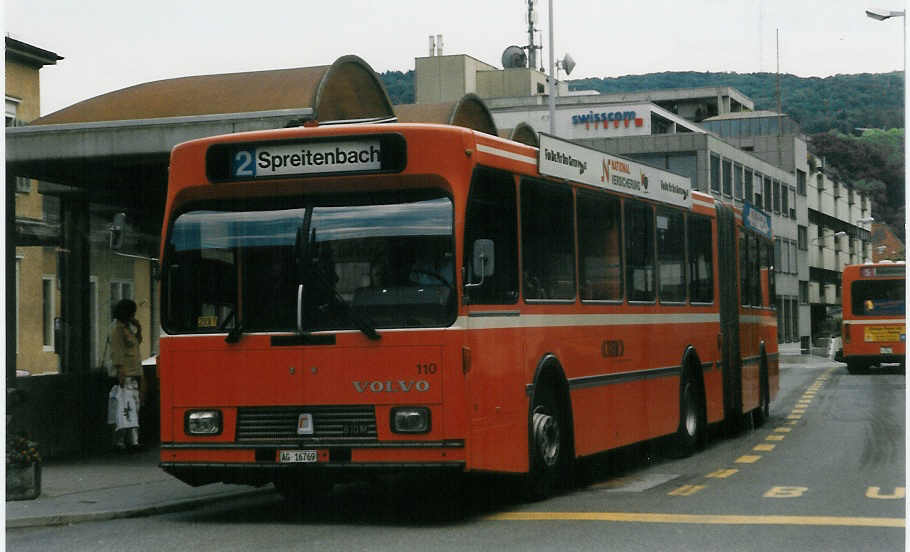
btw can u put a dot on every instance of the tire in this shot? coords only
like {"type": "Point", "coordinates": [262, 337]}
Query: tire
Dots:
{"type": "Point", "coordinates": [856, 368]}
{"type": "Point", "coordinates": [548, 443]}
{"type": "Point", "coordinates": [691, 423]}
{"type": "Point", "coordinates": [761, 414]}
{"type": "Point", "coordinates": [299, 489]}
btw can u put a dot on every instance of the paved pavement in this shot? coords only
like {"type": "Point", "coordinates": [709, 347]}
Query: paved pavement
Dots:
{"type": "Point", "coordinates": [114, 485]}
{"type": "Point", "coordinates": [110, 486]}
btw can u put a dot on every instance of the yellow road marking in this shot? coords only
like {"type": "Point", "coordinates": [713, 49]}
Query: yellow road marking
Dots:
{"type": "Point", "coordinates": [748, 459]}
{"type": "Point", "coordinates": [794, 416]}
{"type": "Point", "coordinates": [798, 411]}
{"type": "Point", "coordinates": [775, 437]}
{"type": "Point", "coordinates": [686, 490]}
{"type": "Point", "coordinates": [722, 474]}
{"type": "Point", "coordinates": [783, 429]}
{"type": "Point", "coordinates": [763, 448]}
{"type": "Point", "coordinates": [700, 519]}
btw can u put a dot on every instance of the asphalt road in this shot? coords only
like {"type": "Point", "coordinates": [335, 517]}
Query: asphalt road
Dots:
{"type": "Point", "coordinates": [826, 472]}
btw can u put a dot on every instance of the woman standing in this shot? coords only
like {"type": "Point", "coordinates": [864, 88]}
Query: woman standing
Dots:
{"type": "Point", "coordinates": [126, 335]}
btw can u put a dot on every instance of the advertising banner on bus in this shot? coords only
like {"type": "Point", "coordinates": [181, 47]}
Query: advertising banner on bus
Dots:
{"type": "Point", "coordinates": [563, 159]}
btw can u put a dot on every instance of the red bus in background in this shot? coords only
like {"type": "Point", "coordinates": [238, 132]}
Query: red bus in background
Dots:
{"type": "Point", "coordinates": [874, 315]}
{"type": "Point", "coordinates": [346, 300]}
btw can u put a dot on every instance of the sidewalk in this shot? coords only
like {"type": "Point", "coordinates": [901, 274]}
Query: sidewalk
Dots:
{"type": "Point", "coordinates": [790, 353]}
{"type": "Point", "coordinates": [112, 486]}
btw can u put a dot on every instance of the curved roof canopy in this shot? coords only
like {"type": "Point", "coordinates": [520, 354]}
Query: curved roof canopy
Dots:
{"type": "Point", "coordinates": [347, 89]}
{"type": "Point", "coordinates": [469, 112]}
{"type": "Point", "coordinates": [525, 133]}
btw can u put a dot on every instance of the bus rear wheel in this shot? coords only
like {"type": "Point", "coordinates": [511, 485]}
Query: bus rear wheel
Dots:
{"type": "Point", "coordinates": [548, 443]}
{"type": "Point", "coordinates": [691, 423]}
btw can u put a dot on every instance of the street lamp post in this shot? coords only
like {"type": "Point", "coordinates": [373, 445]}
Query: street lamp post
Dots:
{"type": "Point", "coordinates": [881, 15]}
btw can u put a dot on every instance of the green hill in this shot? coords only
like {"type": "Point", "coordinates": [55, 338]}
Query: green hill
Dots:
{"type": "Point", "coordinates": [842, 102]}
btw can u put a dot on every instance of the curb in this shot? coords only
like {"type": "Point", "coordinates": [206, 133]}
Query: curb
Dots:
{"type": "Point", "coordinates": [155, 509]}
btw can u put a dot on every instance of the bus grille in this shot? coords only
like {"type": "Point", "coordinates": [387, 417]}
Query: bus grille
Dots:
{"type": "Point", "coordinates": [330, 423]}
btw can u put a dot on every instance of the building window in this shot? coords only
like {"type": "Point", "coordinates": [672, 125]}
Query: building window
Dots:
{"type": "Point", "coordinates": [775, 194]}
{"type": "Point", "coordinates": [804, 293]}
{"type": "Point", "coordinates": [738, 181]}
{"type": "Point", "coordinates": [784, 200]}
{"type": "Point", "coordinates": [49, 312]}
{"type": "Point", "coordinates": [767, 194]}
{"type": "Point", "coordinates": [120, 289]}
{"type": "Point", "coordinates": [747, 185]}
{"type": "Point", "coordinates": [728, 178]}
{"type": "Point", "coordinates": [800, 182]}
{"type": "Point", "coordinates": [802, 237]}
{"type": "Point", "coordinates": [715, 173]}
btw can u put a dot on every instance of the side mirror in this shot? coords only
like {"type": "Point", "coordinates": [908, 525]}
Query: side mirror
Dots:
{"type": "Point", "coordinates": [482, 261]}
{"type": "Point", "coordinates": [117, 229]}
{"type": "Point", "coordinates": [484, 253]}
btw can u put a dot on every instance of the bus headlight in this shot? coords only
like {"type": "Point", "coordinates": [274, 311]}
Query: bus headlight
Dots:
{"type": "Point", "coordinates": [410, 419]}
{"type": "Point", "coordinates": [203, 422]}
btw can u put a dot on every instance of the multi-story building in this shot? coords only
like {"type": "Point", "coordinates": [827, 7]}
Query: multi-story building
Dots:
{"type": "Point", "coordinates": [37, 228]}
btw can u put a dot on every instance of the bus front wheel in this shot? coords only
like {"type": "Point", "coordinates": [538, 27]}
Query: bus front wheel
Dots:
{"type": "Point", "coordinates": [548, 444]}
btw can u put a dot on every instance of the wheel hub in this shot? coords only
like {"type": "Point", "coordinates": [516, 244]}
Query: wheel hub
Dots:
{"type": "Point", "coordinates": [546, 436]}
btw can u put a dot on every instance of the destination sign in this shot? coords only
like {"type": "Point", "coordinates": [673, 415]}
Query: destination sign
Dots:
{"type": "Point", "coordinates": [570, 161]}
{"type": "Point", "coordinates": [312, 158]}
{"type": "Point", "coordinates": [306, 157]}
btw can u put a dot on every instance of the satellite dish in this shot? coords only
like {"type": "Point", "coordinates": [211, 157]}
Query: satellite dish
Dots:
{"type": "Point", "coordinates": [568, 64]}
{"type": "Point", "coordinates": [514, 57]}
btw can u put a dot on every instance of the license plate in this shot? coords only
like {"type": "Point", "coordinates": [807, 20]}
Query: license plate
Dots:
{"type": "Point", "coordinates": [886, 351]}
{"type": "Point", "coordinates": [297, 456]}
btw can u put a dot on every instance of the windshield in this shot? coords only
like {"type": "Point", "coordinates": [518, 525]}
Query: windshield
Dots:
{"type": "Point", "coordinates": [878, 297]}
{"type": "Point", "coordinates": [384, 259]}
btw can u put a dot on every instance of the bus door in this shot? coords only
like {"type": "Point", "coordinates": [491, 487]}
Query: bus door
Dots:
{"type": "Point", "coordinates": [495, 388]}
{"type": "Point", "coordinates": [728, 340]}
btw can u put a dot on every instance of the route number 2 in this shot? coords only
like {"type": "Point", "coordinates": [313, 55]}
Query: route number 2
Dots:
{"type": "Point", "coordinates": [243, 164]}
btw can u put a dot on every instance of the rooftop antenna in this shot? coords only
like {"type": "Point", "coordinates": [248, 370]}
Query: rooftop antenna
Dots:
{"type": "Point", "coordinates": [531, 47]}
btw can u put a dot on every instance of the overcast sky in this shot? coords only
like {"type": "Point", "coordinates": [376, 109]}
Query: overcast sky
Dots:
{"type": "Point", "coordinates": [112, 44]}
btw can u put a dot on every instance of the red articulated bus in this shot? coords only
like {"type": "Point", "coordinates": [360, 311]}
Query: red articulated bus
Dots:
{"type": "Point", "coordinates": [344, 300]}
{"type": "Point", "coordinates": [874, 329]}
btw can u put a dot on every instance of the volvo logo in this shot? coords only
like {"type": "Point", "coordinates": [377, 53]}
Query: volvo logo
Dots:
{"type": "Point", "coordinates": [389, 386]}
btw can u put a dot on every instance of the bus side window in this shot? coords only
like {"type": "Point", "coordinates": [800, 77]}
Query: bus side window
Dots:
{"type": "Point", "coordinates": [671, 255]}
{"type": "Point", "coordinates": [491, 214]}
{"type": "Point", "coordinates": [701, 269]}
{"type": "Point", "coordinates": [639, 227]}
{"type": "Point", "coordinates": [547, 240]}
{"type": "Point", "coordinates": [744, 291]}
{"type": "Point", "coordinates": [600, 247]}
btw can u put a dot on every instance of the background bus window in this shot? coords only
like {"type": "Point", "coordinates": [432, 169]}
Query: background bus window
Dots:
{"type": "Point", "coordinates": [547, 236]}
{"type": "Point", "coordinates": [754, 280]}
{"type": "Point", "coordinates": [639, 226]}
{"type": "Point", "coordinates": [766, 274]}
{"type": "Point", "coordinates": [878, 297]}
{"type": "Point", "coordinates": [701, 269]}
{"type": "Point", "coordinates": [745, 294]}
{"type": "Point", "coordinates": [600, 258]}
{"type": "Point", "coordinates": [671, 255]}
{"type": "Point", "coordinates": [491, 215]}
